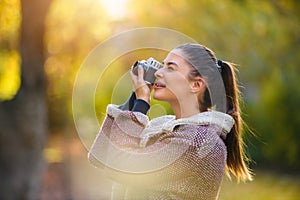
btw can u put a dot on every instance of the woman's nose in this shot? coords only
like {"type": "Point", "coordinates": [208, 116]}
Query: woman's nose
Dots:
{"type": "Point", "coordinates": [158, 73]}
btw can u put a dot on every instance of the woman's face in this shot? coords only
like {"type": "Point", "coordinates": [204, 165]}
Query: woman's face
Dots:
{"type": "Point", "coordinates": [172, 82]}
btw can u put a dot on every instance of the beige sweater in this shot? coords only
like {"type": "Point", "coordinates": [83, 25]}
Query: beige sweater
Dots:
{"type": "Point", "coordinates": [165, 158]}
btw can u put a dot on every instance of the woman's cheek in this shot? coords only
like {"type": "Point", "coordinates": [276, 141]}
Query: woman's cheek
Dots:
{"type": "Point", "coordinates": [180, 87]}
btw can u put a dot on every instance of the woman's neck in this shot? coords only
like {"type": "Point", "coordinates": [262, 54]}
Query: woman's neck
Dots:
{"type": "Point", "coordinates": [185, 108]}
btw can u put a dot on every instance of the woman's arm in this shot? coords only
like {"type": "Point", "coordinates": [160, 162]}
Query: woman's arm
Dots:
{"type": "Point", "coordinates": [129, 103]}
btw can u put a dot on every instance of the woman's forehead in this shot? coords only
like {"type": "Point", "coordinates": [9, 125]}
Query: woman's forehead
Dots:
{"type": "Point", "coordinates": [175, 54]}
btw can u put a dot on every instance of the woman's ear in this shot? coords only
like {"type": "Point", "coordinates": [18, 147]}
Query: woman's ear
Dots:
{"type": "Point", "coordinates": [198, 85]}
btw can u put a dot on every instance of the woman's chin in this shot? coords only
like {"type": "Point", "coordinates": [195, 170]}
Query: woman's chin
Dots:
{"type": "Point", "coordinates": [162, 95]}
{"type": "Point", "coordinates": [158, 96]}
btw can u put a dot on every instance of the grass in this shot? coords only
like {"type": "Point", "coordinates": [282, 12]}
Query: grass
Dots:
{"type": "Point", "coordinates": [265, 186]}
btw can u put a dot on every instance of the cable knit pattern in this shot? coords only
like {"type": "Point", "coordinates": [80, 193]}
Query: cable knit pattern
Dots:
{"type": "Point", "coordinates": [163, 158]}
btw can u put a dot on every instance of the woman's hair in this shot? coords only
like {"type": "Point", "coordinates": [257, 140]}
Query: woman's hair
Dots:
{"type": "Point", "coordinates": [199, 56]}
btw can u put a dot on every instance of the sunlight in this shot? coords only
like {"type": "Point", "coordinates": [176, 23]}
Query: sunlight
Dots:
{"type": "Point", "coordinates": [117, 9]}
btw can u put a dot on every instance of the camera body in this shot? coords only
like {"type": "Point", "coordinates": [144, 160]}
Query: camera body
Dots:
{"type": "Point", "coordinates": [150, 66]}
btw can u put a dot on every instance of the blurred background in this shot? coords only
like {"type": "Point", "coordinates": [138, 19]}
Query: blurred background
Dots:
{"type": "Point", "coordinates": [44, 43]}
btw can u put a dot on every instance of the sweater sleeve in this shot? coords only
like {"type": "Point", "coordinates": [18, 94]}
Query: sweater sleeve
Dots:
{"type": "Point", "coordinates": [140, 106]}
{"type": "Point", "coordinates": [129, 103]}
{"type": "Point", "coordinates": [136, 105]}
{"type": "Point", "coordinates": [120, 131]}
{"type": "Point", "coordinates": [118, 148]}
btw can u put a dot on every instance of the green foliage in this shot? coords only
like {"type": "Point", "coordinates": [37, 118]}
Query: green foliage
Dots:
{"type": "Point", "coordinates": [277, 119]}
{"type": "Point", "coordinates": [74, 28]}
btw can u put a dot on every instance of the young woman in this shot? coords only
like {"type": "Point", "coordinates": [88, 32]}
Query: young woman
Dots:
{"type": "Point", "coordinates": [175, 157]}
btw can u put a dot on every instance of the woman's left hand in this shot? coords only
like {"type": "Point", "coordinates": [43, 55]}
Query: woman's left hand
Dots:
{"type": "Point", "coordinates": [141, 89]}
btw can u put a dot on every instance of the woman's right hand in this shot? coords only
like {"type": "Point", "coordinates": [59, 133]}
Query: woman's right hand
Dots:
{"type": "Point", "coordinates": [141, 89]}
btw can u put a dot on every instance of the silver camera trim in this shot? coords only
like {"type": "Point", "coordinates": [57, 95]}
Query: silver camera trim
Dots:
{"type": "Point", "coordinates": [150, 66]}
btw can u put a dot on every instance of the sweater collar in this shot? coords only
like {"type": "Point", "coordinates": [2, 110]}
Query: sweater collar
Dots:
{"type": "Point", "coordinates": [220, 119]}
{"type": "Point", "coordinates": [168, 123]}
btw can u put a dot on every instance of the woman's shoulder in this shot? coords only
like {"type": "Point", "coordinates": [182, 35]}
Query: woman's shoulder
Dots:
{"type": "Point", "coordinates": [200, 134]}
{"type": "Point", "coordinates": [198, 130]}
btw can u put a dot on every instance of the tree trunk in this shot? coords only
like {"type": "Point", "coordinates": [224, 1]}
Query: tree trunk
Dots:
{"type": "Point", "coordinates": [23, 120]}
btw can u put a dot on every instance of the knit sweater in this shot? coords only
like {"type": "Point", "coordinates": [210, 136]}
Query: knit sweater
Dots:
{"type": "Point", "coordinates": [163, 158]}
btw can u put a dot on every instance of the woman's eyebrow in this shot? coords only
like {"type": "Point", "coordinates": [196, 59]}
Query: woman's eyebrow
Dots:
{"type": "Point", "coordinates": [170, 63]}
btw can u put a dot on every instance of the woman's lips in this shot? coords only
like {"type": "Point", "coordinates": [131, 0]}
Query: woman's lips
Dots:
{"type": "Point", "coordinates": [158, 85]}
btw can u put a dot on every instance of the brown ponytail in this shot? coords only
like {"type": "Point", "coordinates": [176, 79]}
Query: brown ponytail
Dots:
{"type": "Point", "coordinates": [234, 142]}
{"type": "Point", "coordinates": [199, 55]}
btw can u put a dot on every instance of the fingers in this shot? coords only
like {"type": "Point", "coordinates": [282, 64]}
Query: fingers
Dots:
{"type": "Point", "coordinates": [133, 76]}
{"type": "Point", "coordinates": [150, 87]}
{"type": "Point", "coordinates": [141, 89]}
{"type": "Point", "coordinates": [140, 73]}
{"type": "Point", "coordinates": [139, 78]}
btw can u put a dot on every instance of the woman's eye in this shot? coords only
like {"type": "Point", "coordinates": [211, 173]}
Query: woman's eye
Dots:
{"type": "Point", "coordinates": [170, 68]}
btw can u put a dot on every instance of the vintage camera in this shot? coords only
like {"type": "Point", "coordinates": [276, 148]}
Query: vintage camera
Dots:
{"type": "Point", "coordinates": [150, 66]}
